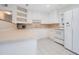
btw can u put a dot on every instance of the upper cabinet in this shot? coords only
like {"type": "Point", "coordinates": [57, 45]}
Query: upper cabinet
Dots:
{"type": "Point", "coordinates": [18, 12]}
{"type": "Point", "coordinates": [21, 14]}
{"type": "Point", "coordinates": [5, 13]}
{"type": "Point", "coordinates": [51, 18]}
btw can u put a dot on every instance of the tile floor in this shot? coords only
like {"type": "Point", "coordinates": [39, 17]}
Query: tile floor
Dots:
{"type": "Point", "coordinates": [35, 41]}
{"type": "Point", "coordinates": [49, 47]}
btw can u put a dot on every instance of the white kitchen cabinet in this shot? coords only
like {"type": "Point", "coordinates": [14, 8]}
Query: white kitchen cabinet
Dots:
{"type": "Point", "coordinates": [19, 12]}
{"type": "Point", "coordinates": [8, 7]}
{"type": "Point", "coordinates": [59, 36]}
{"type": "Point", "coordinates": [68, 29]}
{"type": "Point", "coordinates": [51, 18]}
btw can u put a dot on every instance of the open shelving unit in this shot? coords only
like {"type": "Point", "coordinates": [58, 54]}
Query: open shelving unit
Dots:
{"type": "Point", "coordinates": [21, 14]}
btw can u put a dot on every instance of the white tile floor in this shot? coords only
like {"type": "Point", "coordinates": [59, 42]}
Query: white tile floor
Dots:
{"type": "Point", "coordinates": [49, 47]}
{"type": "Point", "coordinates": [41, 46]}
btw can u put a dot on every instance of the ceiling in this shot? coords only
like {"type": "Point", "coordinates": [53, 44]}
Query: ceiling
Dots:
{"type": "Point", "coordinates": [45, 7]}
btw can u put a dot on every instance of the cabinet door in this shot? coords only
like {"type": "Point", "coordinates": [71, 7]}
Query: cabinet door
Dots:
{"type": "Point", "coordinates": [68, 29]}
{"type": "Point", "coordinates": [76, 30]}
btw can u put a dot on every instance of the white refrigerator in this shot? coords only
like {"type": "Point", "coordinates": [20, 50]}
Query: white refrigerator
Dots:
{"type": "Point", "coordinates": [71, 25]}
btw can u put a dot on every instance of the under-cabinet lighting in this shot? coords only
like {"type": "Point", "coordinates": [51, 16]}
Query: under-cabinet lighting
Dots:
{"type": "Point", "coordinates": [7, 12]}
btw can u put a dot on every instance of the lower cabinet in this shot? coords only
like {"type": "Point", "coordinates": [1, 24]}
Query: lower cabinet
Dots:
{"type": "Point", "coordinates": [57, 35]}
